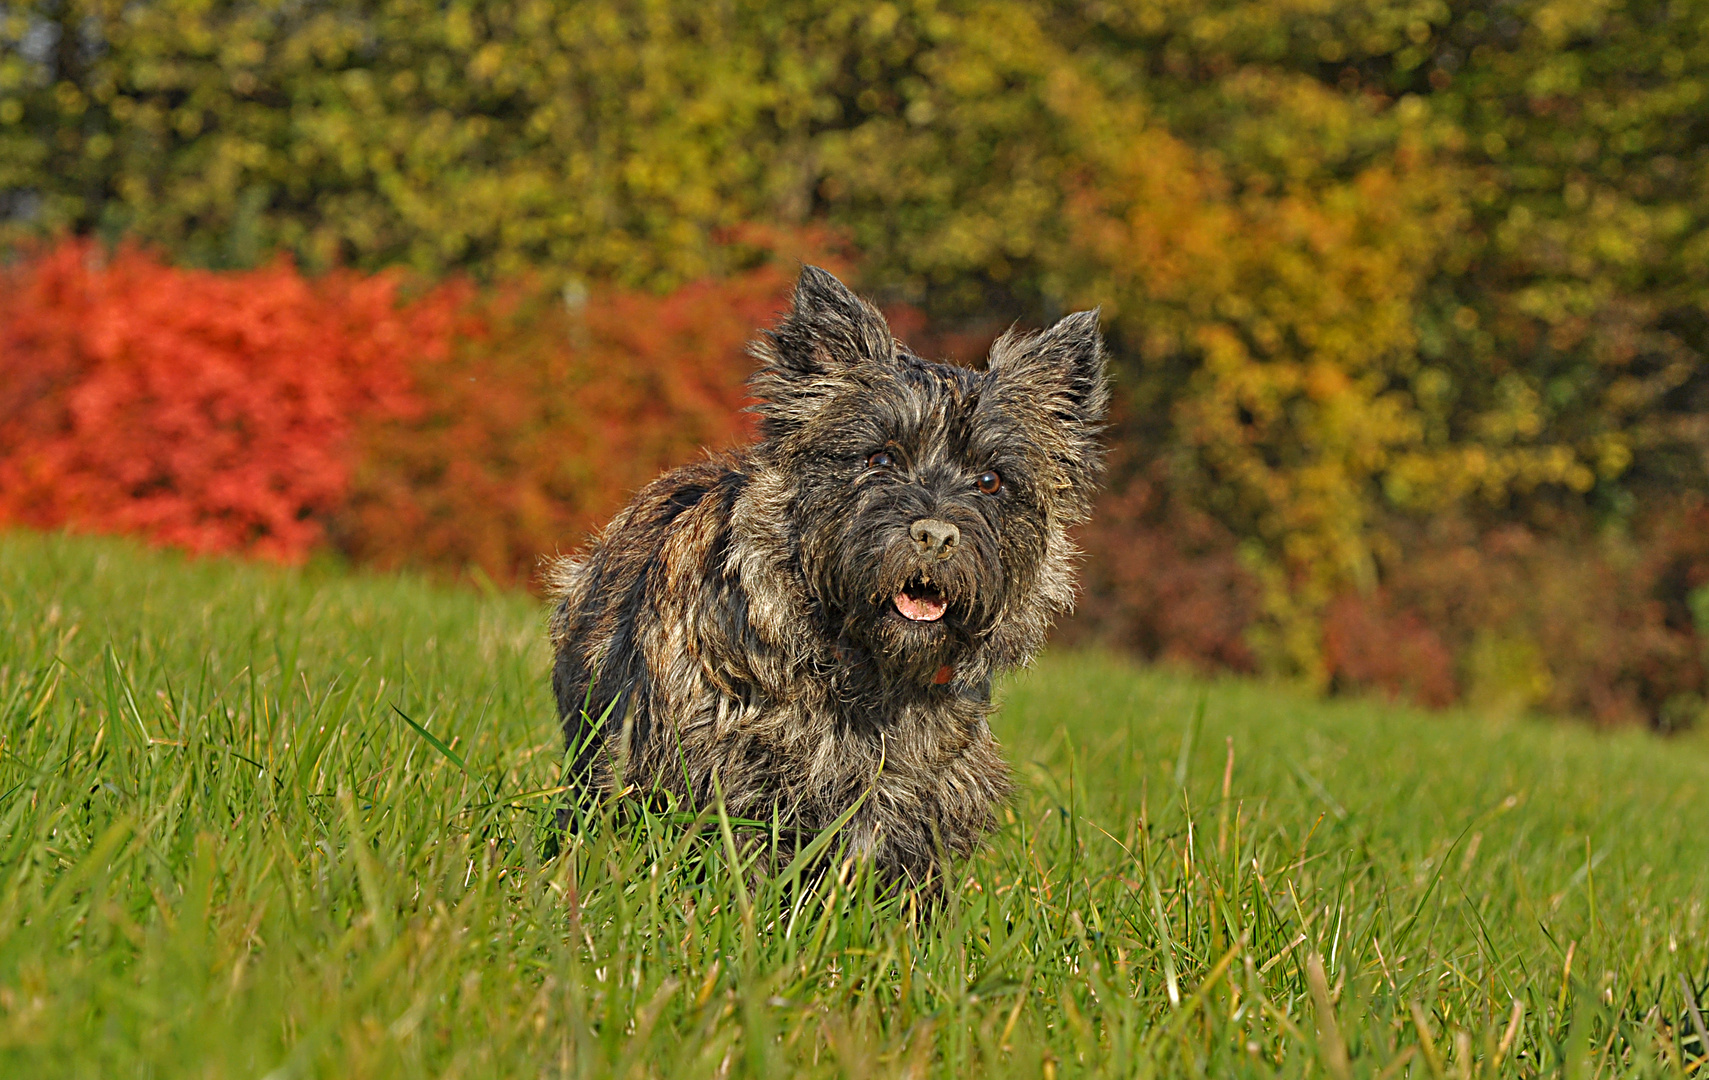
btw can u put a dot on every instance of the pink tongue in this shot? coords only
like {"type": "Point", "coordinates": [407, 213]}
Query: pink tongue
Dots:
{"type": "Point", "coordinates": [921, 610]}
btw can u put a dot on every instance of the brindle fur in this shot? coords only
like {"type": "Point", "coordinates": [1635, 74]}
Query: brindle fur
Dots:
{"type": "Point", "coordinates": [736, 619]}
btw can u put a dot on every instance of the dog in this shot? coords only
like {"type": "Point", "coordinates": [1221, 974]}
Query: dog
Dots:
{"type": "Point", "coordinates": [812, 623]}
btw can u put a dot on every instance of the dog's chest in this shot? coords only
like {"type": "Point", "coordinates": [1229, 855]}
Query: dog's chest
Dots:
{"type": "Point", "coordinates": [820, 740]}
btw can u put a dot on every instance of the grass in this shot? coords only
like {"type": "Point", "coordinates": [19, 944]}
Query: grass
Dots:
{"type": "Point", "coordinates": [224, 852]}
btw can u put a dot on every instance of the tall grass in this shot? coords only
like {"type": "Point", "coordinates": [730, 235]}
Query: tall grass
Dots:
{"type": "Point", "coordinates": [296, 823]}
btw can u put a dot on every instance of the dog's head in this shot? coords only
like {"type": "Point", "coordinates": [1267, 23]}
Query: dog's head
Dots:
{"type": "Point", "coordinates": [931, 503]}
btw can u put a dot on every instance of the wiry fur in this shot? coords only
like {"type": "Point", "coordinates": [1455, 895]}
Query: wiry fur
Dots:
{"type": "Point", "coordinates": [736, 619]}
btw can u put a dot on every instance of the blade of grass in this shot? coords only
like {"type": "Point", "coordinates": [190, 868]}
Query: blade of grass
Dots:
{"type": "Point", "coordinates": [434, 741]}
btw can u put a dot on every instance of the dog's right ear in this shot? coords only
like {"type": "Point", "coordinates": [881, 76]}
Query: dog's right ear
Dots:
{"type": "Point", "coordinates": [829, 335]}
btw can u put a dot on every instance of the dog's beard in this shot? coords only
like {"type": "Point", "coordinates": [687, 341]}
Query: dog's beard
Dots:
{"type": "Point", "coordinates": [916, 619]}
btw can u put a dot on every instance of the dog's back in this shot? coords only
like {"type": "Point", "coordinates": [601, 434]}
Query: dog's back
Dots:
{"type": "Point", "coordinates": [613, 605]}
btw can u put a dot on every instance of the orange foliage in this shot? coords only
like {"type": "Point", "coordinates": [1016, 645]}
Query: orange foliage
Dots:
{"type": "Point", "coordinates": [555, 407]}
{"type": "Point", "coordinates": [541, 425]}
{"type": "Point", "coordinates": [208, 411]}
{"type": "Point", "coordinates": [258, 411]}
{"type": "Point", "coordinates": [1273, 327]}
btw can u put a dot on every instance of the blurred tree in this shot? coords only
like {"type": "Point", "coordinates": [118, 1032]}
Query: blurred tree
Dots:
{"type": "Point", "coordinates": [607, 139]}
{"type": "Point", "coordinates": [1363, 261]}
{"type": "Point", "coordinates": [1373, 259]}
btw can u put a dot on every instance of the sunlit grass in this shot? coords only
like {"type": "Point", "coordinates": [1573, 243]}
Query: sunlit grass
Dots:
{"type": "Point", "coordinates": [224, 852]}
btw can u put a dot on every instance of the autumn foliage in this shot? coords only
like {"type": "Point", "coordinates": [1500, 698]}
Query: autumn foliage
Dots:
{"type": "Point", "coordinates": [265, 413]}
{"type": "Point", "coordinates": [210, 411]}
{"type": "Point", "coordinates": [477, 430]}
{"type": "Point", "coordinates": [542, 421]}
{"type": "Point", "coordinates": [1405, 299]}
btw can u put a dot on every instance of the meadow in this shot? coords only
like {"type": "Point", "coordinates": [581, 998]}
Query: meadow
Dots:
{"type": "Point", "coordinates": [299, 822]}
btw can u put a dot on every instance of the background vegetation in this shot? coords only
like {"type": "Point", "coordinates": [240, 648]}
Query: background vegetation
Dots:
{"type": "Point", "coordinates": [258, 821]}
{"type": "Point", "coordinates": [1408, 297]}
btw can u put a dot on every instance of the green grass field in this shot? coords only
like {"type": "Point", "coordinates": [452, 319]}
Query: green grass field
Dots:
{"type": "Point", "coordinates": [224, 852]}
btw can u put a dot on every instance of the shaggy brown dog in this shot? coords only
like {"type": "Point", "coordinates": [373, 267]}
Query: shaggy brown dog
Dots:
{"type": "Point", "coordinates": [816, 619]}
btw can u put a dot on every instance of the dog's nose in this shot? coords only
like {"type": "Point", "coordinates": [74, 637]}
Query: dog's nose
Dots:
{"type": "Point", "coordinates": [937, 539]}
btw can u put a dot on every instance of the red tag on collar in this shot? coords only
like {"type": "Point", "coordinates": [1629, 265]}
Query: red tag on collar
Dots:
{"type": "Point", "coordinates": [945, 674]}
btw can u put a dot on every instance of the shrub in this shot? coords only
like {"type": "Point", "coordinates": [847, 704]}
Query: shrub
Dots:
{"type": "Point", "coordinates": [1162, 579]}
{"type": "Point", "coordinates": [1611, 625]}
{"type": "Point", "coordinates": [209, 411]}
{"type": "Point", "coordinates": [250, 411]}
{"type": "Point", "coordinates": [466, 429]}
{"type": "Point", "coordinates": [1563, 621]}
{"type": "Point", "coordinates": [1366, 645]}
{"type": "Point", "coordinates": [539, 426]}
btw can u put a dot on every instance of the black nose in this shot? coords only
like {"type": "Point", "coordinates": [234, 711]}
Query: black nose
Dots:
{"type": "Point", "coordinates": [937, 539]}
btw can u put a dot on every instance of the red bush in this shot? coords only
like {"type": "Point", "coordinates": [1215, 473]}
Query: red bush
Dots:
{"type": "Point", "coordinates": [1367, 645]}
{"type": "Point", "coordinates": [209, 411]}
{"type": "Point", "coordinates": [542, 424]}
{"type": "Point", "coordinates": [555, 407]}
{"type": "Point", "coordinates": [1573, 622]}
{"type": "Point", "coordinates": [254, 411]}
{"type": "Point", "coordinates": [1161, 579]}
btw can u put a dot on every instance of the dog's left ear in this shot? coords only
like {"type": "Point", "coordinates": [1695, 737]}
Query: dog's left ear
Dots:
{"type": "Point", "coordinates": [1061, 368]}
{"type": "Point", "coordinates": [829, 336]}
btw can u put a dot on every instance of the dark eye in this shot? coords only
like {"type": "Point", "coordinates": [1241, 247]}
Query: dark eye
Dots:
{"type": "Point", "coordinates": [989, 482]}
{"type": "Point", "coordinates": [881, 460]}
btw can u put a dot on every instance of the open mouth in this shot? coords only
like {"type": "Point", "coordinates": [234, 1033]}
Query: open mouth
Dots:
{"type": "Point", "coordinates": [919, 601]}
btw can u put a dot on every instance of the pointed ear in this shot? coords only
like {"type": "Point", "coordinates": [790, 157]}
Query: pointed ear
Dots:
{"type": "Point", "coordinates": [1062, 368]}
{"type": "Point", "coordinates": [829, 334]}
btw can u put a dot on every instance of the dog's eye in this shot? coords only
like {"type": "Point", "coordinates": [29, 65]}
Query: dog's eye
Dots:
{"type": "Point", "coordinates": [881, 460]}
{"type": "Point", "coordinates": [989, 482]}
